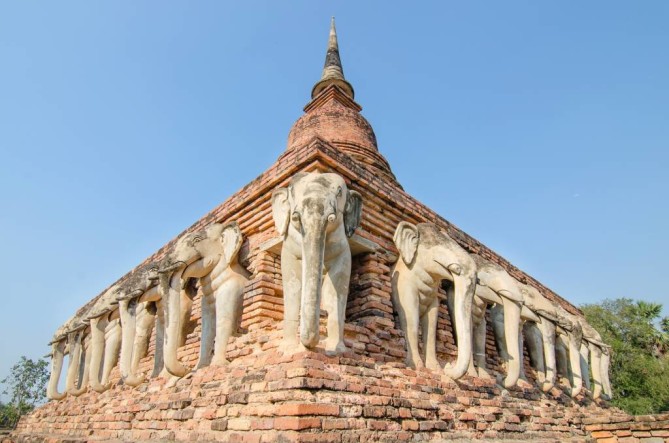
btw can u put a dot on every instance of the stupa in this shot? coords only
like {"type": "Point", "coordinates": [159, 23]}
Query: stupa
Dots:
{"type": "Point", "coordinates": [323, 303]}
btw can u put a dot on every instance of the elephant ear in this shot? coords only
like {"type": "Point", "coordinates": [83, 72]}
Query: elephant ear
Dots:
{"type": "Point", "coordinates": [231, 237]}
{"type": "Point", "coordinates": [281, 210]}
{"type": "Point", "coordinates": [352, 212]}
{"type": "Point", "coordinates": [406, 239]}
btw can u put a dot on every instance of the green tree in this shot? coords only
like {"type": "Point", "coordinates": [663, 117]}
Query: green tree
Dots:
{"type": "Point", "coordinates": [640, 358]}
{"type": "Point", "coordinates": [26, 386]}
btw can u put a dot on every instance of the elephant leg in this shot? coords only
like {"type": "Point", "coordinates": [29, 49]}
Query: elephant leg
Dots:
{"type": "Point", "coordinates": [479, 354]}
{"type": "Point", "coordinates": [534, 339]}
{"type": "Point", "coordinates": [84, 370]}
{"type": "Point", "coordinates": [595, 366]}
{"type": "Point", "coordinates": [158, 360]}
{"type": "Point", "coordinates": [335, 294]}
{"type": "Point", "coordinates": [208, 334]}
{"type": "Point", "coordinates": [291, 271]}
{"type": "Point", "coordinates": [521, 346]}
{"type": "Point", "coordinates": [585, 368]}
{"type": "Point", "coordinates": [146, 317]}
{"type": "Point", "coordinates": [229, 302]}
{"type": "Point", "coordinates": [562, 360]}
{"type": "Point", "coordinates": [429, 331]}
{"type": "Point", "coordinates": [497, 320]}
{"type": "Point", "coordinates": [548, 337]}
{"type": "Point", "coordinates": [604, 374]}
{"type": "Point", "coordinates": [57, 356]}
{"type": "Point", "coordinates": [407, 306]}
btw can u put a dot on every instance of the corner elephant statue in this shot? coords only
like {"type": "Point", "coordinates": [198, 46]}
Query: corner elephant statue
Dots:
{"type": "Point", "coordinates": [210, 257]}
{"type": "Point", "coordinates": [315, 215]}
{"type": "Point", "coordinates": [428, 256]}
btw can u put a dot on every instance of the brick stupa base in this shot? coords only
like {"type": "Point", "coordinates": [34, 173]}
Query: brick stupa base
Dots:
{"type": "Point", "coordinates": [264, 396]}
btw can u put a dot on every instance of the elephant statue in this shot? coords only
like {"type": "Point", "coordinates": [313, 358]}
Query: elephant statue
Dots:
{"type": "Point", "coordinates": [593, 346]}
{"type": "Point", "coordinates": [209, 256]}
{"type": "Point", "coordinates": [58, 351]}
{"type": "Point", "coordinates": [604, 371]}
{"type": "Point", "coordinates": [540, 334]}
{"type": "Point", "coordinates": [428, 256]}
{"type": "Point", "coordinates": [105, 346]}
{"type": "Point", "coordinates": [140, 307]}
{"type": "Point", "coordinates": [496, 287]}
{"type": "Point", "coordinates": [76, 381]}
{"type": "Point", "coordinates": [315, 215]}
{"type": "Point", "coordinates": [568, 350]}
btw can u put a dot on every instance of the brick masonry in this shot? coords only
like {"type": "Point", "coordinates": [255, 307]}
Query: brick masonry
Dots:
{"type": "Point", "coordinates": [367, 395]}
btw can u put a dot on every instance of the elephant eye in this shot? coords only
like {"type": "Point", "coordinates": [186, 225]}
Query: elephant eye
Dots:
{"type": "Point", "coordinates": [339, 191]}
{"type": "Point", "coordinates": [196, 239]}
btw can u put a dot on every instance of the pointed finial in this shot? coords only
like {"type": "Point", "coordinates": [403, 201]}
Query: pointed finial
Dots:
{"type": "Point", "coordinates": [333, 73]}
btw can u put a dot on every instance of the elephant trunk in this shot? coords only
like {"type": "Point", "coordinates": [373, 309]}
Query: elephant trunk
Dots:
{"type": "Point", "coordinates": [171, 287]}
{"type": "Point", "coordinates": [127, 310]}
{"type": "Point", "coordinates": [575, 337]}
{"type": "Point", "coordinates": [313, 251]}
{"type": "Point", "coordinates": [511, 329]}
{"type": "Point", "coordinates": [83, 373]}
{"type": "Point", "coordinates": [548, 336]}
{"type": "Point", "coordinates": [97, 351]}
{"type": "Point", "coordinates": [462, 292]}
{"type": "Point", "coordinates": [74, 339]}
{"type": "Point", "coordinates": [57, 356]}
{"type": "Point", "coordinates": [112, 337]}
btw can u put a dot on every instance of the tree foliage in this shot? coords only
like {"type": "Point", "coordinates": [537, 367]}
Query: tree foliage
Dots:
{"type": "Point", "coordinates": [26, 386]}
{"type": "Point", "coordinates": [639, 339]}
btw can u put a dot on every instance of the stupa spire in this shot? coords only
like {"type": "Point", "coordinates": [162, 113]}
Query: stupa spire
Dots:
{"type": "Point", "coordinates": [333, 73]}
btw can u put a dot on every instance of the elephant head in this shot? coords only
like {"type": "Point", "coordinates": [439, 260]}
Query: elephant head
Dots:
{"type": "Point", "coordinates": [315, 215]}
{"type": "Point", "coordinates": [195, 255]}
{"type": "Point", "coordinates": [496, 286]}
{"type": "Point", "coordinates": [428, 256]}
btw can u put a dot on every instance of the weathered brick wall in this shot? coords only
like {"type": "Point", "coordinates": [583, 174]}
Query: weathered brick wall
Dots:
{"type": "Point", "coordinates": [366, 395]}
{"type": "Point", "coordinates": [623, 428]}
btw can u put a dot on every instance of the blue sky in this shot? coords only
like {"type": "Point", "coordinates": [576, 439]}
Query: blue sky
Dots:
{"type": "Point", "coordinates": [540, 128]}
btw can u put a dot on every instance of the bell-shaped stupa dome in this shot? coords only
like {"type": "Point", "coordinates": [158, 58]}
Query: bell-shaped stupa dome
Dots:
{"type": "Point", "coordinates": [333, 116]}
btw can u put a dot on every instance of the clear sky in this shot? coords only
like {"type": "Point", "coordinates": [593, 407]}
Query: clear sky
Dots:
{"type": "Point", "coordinates": [540, 128]}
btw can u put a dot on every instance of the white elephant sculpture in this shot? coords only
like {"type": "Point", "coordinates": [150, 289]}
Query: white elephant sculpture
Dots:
{"type": "Point", "coordinates": [315, 215]}
{"type": "Point", "coordinates": [496, 287]}
{"type": "Point", "coordinates": [58, 351]}
{"type": "Point", "coordinates": [140, 307]}
{"type": "Point", "coordinates": [80, 355]}
{"type": "Point", "coordinates": [210, 257]}
{"type": "Point", "coordinates": [428, 256]}
{"type": "Point", "coordinates": [105, 346]}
